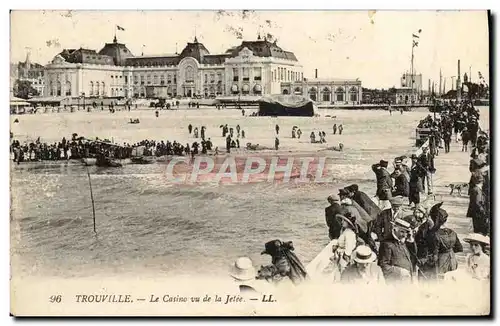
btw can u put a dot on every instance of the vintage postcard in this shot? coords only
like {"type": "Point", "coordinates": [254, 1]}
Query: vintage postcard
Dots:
{"type": "Point", "coordinates": [250, 163]}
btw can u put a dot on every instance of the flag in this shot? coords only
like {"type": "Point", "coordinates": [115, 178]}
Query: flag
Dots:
{"type": "Point", "coordinates": [415, 43]}
{"type": "Point", "coordinates": [120, 28]}
{"type": "Point", "coordinates": [415, 36]}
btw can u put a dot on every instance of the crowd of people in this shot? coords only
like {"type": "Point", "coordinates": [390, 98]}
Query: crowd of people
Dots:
{"type": "Point", "coordinates": [400, 239]}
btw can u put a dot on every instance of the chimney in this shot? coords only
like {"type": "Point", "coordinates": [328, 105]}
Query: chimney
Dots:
{"type": "Point", "coordinates": [316, 73]}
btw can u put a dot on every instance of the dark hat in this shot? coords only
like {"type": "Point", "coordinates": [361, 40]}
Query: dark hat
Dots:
{"type": "Point", "coordinates": [343, 192]}
{"type": "Point", "coordinates": [272, 247]}
{"type": "Point", "coordinates": [438, 215]}
{"type": "Point", "coordinates": [384, 163]}
{"type": "Point", "coordinates": [352, 188]}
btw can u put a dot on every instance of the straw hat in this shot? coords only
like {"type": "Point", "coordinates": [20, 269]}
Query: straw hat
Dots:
{"type": "Point", "coordinates": [363, 254]}
{"type": "Point", "coordinates": [401, 224]}
{"type": "Point", "coordinates": [243, 269]}
{"type": "Point", "coordinates": [476, 237]}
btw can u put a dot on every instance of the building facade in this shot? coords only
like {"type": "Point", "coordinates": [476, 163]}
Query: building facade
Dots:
{"type": "Point", "coordinates": [31, 72]}
{"type": "Point", "coordinates": [326, 91]}
{"type": "Point", "coordinates": [252, 68]}
{"type": "Point", "coordinates": [406, 81]}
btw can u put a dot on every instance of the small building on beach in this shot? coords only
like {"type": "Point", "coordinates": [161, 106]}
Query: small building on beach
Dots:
{"type": "Point", "coordinates": [326, 90]}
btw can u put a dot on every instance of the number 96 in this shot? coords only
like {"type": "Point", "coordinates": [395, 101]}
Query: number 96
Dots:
{"type": "Point", "coordinates": [55, 298]}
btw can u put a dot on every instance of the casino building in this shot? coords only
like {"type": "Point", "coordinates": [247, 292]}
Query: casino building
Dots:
{"type": "Point", "coordinates": [251, 68]}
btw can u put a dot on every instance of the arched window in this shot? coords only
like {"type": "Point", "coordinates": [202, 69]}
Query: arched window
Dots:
{"type": "Point", "coordinates": [339, 94]}
{"type": "Point", "coordinates": [68, 88]}
{"type": "Point", "coordinates": [162, 79]}
{"type": "Point", "coordinates": [326, 94]}
{"type": "Point", "coordinates": [189, 74]}
{"type": "Point", "coordinates": [312, 93]}
{"type": "Point", "coordinates": [97, 89]}
{"type": "Point", "coordinates": [155, 80]}
{"type": "Point", "coordinates": [59, 88]}
{"type": "Point", "coordinates": [51, 90]}
{"type": "Point", "coordinates": [353, 94]}
{"type": "Point", "coordinates": [91, 88]}
{"type": "Point", "coordinates": [104, 93]}
{"type": "Point", "coordinates": [285, 91]}
{"type": "Point", "coordinates": [297, 90]}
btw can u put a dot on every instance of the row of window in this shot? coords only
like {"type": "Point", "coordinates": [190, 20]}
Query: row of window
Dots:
{"type": "Point", "coordinates": [147, 80]}
{"type": "Point", "coordinates": [59, 89]}
{"type": "Point", "coordinates": [245, 72]}
{"type": "Point", "coordinates": [284, 74]}
{"type": "Point", "coordinates": [212, 78]}
{"type": "Point", "coordinates": [97, 88]}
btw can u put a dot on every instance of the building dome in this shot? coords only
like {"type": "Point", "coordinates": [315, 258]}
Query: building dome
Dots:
{"type": "Point", "coordinates": [196, 50]}
{"type": "Point", "coordinates": [118, 51]}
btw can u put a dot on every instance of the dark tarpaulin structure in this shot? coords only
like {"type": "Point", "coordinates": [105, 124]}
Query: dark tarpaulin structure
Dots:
{"type": "Point", "coordinates": [286, 105]}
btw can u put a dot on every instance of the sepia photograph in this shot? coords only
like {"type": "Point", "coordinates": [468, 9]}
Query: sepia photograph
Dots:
{"type": "Point", "coordinates": [250, 163]}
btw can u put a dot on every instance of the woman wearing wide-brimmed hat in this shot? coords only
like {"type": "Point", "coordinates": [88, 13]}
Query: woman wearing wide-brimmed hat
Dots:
{"type": "Point", "coordinates": [364, 270]}
{"type": "Point", "coordinates": [347, 239]}
{"type": "Point", "coordinates": [478, 263]}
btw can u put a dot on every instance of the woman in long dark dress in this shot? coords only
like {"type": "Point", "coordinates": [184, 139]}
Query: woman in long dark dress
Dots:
{"type": "Point", "coordinates": [443, 243]}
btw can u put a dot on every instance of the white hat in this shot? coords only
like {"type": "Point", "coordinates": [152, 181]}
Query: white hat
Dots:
{"type": "Point", "coordinates": [243, 269]}
{"type": "Point", "coordinates": [363, 254]}
{"type": "Point", "coordinates": [476, 237]}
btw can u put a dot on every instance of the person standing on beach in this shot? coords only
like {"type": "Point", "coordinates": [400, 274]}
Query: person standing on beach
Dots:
{"type": "Point", "coordinates": [190, 128]}
{"type": "Point", "coordinates": [276, 143]}
{"type": "Point", "coordinates": [334, 128]}
{"type": "Point", "coordinates": [228, 144]}
{"type": "Point", "coordinates": [238, 128]}
{"type": "Point", "coordinates": [277, 129]}
{"type": "Point", "coordinates": [340, 129]}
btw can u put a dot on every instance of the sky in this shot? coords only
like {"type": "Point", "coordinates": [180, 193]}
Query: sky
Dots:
{"type": "Point", "coordinates": [374, 46]}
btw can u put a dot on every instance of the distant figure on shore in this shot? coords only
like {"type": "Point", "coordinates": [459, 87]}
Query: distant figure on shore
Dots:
{"type": "Point", "coordinates": [313, 137]}
{"type": "Point", "coordinates": [228, 144]}
{"type": "Point", "coordinates": [203, 132]}
{"type": "Point", "coordinates": [390, 110]}
{"type": "Point", "coordinates": [238, 128]}
{"type": "Point", "coordinates": [277, 130]}
{"type": "Point", "coordinates": [243, 112]}
{"type": "Point", "coordinates": [157, 114]}
{"type": "Point", "coordinates": [401, 110]}
{"type": "Point", "coordinates": [293, 132]}
{"type": "Point", "coordinates": [190, 128]}
{"type": "Point", "coordinates": [334, 128]}
{"type": "Point", "coordinates": [299, 132]}
{"type": "Point", "coordinates": [195, 132]}
{"type": "Point", "coordinates": [340, 129]}
{"type": "Point", "coordinates": [243, 134]}
{"type": "Point", "coordinates": [276, 143]}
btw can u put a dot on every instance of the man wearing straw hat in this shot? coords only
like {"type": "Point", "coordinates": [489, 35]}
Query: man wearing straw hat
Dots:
{"type": "Point", "coordinates": [394, 257]}
{"type": "Point", "coordinates": [244, 273]}
{"type": "Point", "coordinates": [364, 270]}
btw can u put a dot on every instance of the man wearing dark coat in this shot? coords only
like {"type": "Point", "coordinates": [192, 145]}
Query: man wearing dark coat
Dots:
{"type": "Point", "coordinates": [401, 184]}
{"type": "Point", "coordinates": [384, 180]}
{"type": "Point", "coordinates": [382, 226]}
{"type": "Point", "coordinates": [394, 256]}
{"type": "Point", "coordinates": [477, 205]}
{"type": "Point", "coordinates": [417, 174]}
{"type": "Point", "coordinates": [363, 200]}
{"type": "Point", "coordinates": [334, 223]}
